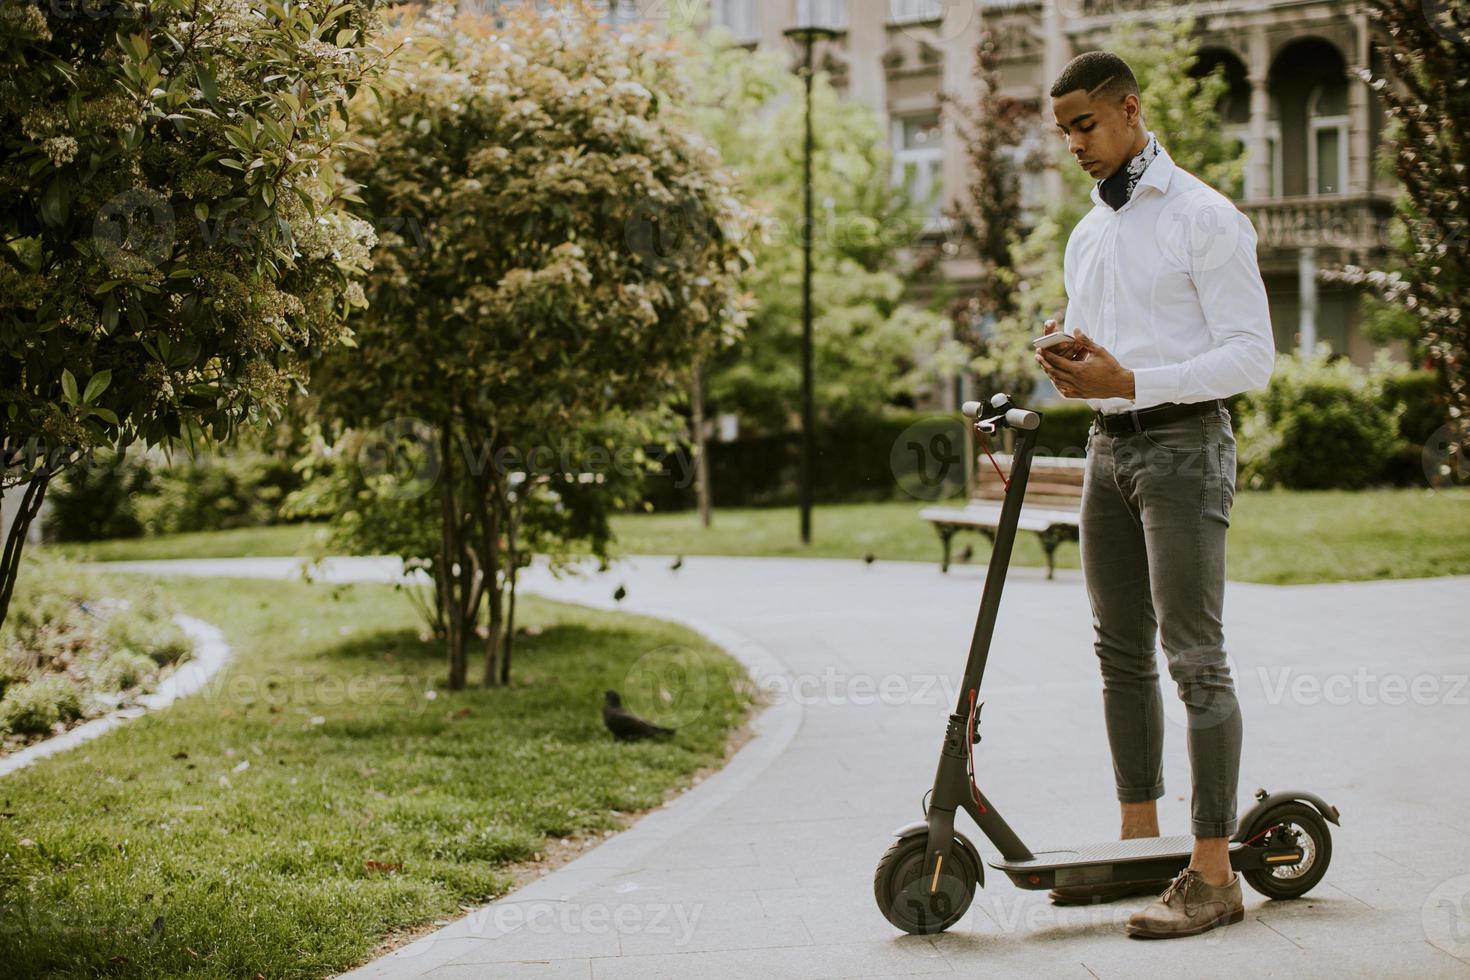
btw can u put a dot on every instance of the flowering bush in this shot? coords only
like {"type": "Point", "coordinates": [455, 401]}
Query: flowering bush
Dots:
{"type": "Point", "coordinates": [557, 246]}
{"type": "Point", "coordinates": [174, 247]}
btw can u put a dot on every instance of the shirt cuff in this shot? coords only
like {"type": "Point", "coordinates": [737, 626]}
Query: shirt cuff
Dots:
{"type": "Point", "coordinates": [1155, 385]}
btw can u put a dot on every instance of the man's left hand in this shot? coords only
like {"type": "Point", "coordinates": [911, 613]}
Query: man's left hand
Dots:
{"type": "Point", "coordinates": [1087, 370]}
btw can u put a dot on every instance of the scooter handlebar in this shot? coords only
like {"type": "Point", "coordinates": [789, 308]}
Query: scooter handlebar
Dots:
{"type": "Point", "coordinates": [1014, 418]}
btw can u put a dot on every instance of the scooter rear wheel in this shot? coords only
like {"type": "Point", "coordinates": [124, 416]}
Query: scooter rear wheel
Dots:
{"type": "Point", "coordinates": [906, 900]}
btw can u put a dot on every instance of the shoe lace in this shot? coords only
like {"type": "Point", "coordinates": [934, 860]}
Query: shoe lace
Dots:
{"type": "Point", "coordinates": [1180, 883]}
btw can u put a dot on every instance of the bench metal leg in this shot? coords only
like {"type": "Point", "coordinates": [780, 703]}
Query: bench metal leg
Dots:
{"type": "Point", "coordinates": [946, 532]}
{"type": "Point", "coordinates": [1051, 538]}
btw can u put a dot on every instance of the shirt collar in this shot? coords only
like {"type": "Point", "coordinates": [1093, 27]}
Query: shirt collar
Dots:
{"type": "Point", "coordinates": [1156, 174]}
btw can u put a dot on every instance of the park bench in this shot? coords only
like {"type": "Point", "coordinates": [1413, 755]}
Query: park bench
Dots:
{"type": "Point", "coordinates": [1051, 509]}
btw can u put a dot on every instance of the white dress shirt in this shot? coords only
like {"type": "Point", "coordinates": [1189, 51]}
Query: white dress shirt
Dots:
{"type": "Point", "coordinates": [1169, 284]}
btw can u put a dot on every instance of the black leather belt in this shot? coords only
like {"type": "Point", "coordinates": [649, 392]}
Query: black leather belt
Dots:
{"type": "Point", "coordinates": [1122, 423]}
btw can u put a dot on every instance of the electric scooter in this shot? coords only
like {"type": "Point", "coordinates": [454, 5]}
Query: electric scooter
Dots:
{"type": "Point", "coordinates": [927, 878]}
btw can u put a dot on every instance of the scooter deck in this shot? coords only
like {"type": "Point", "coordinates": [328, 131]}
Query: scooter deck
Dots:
{"type": "Point", "coordinates": [1106, 861]}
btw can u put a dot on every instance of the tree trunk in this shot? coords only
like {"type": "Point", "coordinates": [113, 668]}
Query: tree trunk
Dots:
{"type": "Point", "coordinates": [701, 459]}
{"type": "Point", "coordinates": [513, 564]}
{"type": "Point", "coordinates": [490, 518]}
{"type": "Point", "coordinates": [453, 569]}
{"type": "Point", "coordinates": [15, 536]}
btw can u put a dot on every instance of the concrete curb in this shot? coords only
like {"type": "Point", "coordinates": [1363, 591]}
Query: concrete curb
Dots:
{"type": "Point", "coordinates": [210, 653]}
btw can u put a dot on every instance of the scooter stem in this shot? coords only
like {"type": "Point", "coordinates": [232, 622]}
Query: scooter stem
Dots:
{"type": "Point", "coordinates": [1000, 560]}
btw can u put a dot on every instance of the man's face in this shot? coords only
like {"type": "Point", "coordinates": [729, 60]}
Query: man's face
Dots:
{"type": "Point", "coordinates": [1100, 131]}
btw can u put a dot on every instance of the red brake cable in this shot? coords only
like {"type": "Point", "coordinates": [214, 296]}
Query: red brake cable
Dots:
{"type": "Point", "coordinates": [985, 448]}
{"type": "Point", "coordinates": [970, 753]}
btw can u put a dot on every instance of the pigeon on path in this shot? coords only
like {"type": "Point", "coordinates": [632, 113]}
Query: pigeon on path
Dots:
{"type": "Point", "coordinates": [625, 725]}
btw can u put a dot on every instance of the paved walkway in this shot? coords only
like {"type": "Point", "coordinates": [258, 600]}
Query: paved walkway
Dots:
{"type": "Point", "coordinates": [1356, 692]}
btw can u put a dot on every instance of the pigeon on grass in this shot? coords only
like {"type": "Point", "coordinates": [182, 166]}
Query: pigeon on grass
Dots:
{"type": "Point", "coordinates": [625, 725]}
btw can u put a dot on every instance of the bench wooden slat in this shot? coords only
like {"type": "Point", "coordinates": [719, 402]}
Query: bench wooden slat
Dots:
{"type": "Point", "coordinates": [1051, 508]}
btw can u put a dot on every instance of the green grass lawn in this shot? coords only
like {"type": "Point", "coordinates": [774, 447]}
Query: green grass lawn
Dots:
{"type": "Point", "coordinates": [231, 835]}
{"type": "Point", "coordinates": [1278, 537]}
{"type": "Point", "coordinates": [243, 542]}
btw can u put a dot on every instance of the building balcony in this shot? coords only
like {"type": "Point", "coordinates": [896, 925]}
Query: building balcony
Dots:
{"type": "Point", "coordinates": [1353, 221]}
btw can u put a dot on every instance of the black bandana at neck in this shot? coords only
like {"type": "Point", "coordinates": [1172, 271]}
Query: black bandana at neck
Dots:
{"type": "Point", "coordinates": [1117, 188]}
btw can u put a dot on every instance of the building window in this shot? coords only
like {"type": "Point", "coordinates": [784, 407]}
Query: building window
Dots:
{"type": "Point", "coordinates": [1327, 141]}
{"type": "Point", "coordinates": [738, 17]}
{"type": "Point", "coordinates": [1241, 134]}
{"type": "Point", "coordinates": [918, 162]}
{"type": "Point", "coordinates": [910, 11]}
{"type": "Point", "coordinates": [822, 13]}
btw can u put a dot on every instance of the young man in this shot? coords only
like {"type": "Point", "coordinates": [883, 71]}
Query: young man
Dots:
{"type": "Point", "coordinates": [1168, 315]}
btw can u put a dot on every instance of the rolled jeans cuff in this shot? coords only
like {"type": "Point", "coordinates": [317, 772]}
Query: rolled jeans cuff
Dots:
{"type": "Point", "coordinates": [1141, 795]}
{"type": "Point", "coordinates": [1217, 828]}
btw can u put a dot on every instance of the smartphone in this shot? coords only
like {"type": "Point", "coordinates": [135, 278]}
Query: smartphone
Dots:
{"type": "Point", "coordinates": [1050, 340]}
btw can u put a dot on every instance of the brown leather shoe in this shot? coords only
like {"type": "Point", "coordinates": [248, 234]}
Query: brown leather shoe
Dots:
{"type": "Point", "coordinates": [1189, 906]}
{"type": "Point", "coordinates": [1105, 891]}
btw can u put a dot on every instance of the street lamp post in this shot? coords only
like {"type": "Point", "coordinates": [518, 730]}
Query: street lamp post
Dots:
{"type": "Point", "coordinates": [807, 35]}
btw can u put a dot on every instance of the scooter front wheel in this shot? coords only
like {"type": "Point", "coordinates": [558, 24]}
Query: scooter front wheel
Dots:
{"type": "Point", "coordinates": [906, 899]}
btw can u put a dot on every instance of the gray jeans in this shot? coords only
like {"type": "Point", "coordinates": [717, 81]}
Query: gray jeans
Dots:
{"type": "Point", "coordinates": [1155, 508]}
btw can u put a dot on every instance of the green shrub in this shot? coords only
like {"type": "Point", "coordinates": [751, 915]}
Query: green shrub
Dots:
{"type": "Point", "coordinates": [122, 670]}
{"type": "Point", "coordinates": [1319, 424]}
{"type": "Point", "coordinates": [32, 708]}
{"type": "Point", "coordinates": [142, 630]}
{"type": "Point", "coordinates": [1424, 412]}
{"type": "Point", "coordinates": [135, 494]}
{"type": "Point", "coordinates": [63, 641]}
{"type": "Point", "coordinates": [1064, 428]}
{"type": "Point", "coordinates": [95, 499]}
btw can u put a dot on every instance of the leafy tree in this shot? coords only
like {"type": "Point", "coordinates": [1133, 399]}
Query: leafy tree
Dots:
{"type": "Point", "coordinates": [173, 243]}
{"type": "Point", "coordinates": [557, 245]}
{"type": "Point", "coordinates": [988, 219]}
{"type": "Point", "coordinates": [1428, 278]}
{"type": "Point", "coordinates": [871, 348]}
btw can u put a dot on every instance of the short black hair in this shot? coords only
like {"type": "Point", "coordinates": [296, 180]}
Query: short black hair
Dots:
{"type": "Point", "coordinates": [1096, 73]}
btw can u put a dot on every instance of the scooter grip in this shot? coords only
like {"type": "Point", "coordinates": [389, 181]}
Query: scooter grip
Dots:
{"type": "Point", "coordinates": [1020, 418]}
